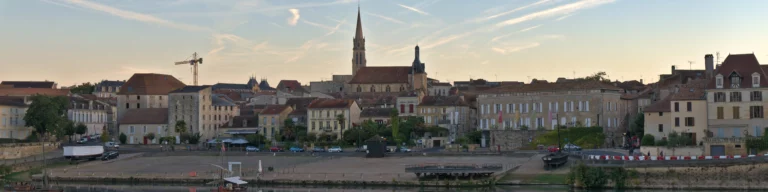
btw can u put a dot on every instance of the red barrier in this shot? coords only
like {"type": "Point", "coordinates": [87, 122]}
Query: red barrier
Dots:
{"type": "Point", "coordinates": [673, 158]}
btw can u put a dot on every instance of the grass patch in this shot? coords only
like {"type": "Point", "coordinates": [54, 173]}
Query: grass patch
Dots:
{"type": "Point", "coordinates": [550, 178]}
{"type": "Point", "coordinates": [536, 178]}
{"type": "Point", "coordinates": [27, 175]}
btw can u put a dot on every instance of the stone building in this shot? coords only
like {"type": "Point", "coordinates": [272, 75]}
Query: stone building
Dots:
{"type": "Point", "coordinates": [377, 115]}
{"type": "Point", "coordinates": [689, 110]}
{"type": "Point", "coordinates": [145, 90]}
{"type": "Point", "coordinates": [12, 111]}
{"type": "Point", "coordinates": [136, 124]}
{"type": "Point", "coordinates": [299, 106]}
{"type": "Point", "coordinates": [545, 105]}
{"type": "Point", "coordinates": [194, 106]}
{"type": "Point", "coordinates": [322, 116]}
{"type": "Point", "coordinates": [439, 89]}
{"type": "Point", "coordinates": [107, 88]}
{"type": "Point", "coordinates": [272, 119]}
{"type": "Point", "coordinates": [94, 114]}
{"type": "Point", "coordinates": [29, 84]}
{"type": "Point", "coordinates": [450, 112]}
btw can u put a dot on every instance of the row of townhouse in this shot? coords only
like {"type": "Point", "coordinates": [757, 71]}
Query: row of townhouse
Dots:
{"type": "Point", "coordinates": [719, 112]}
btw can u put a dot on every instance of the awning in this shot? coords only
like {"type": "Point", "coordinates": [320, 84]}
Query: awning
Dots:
{"type": "Point", "coordinates": [212, 141]}
{"type": "Point", "coordinates": [235, 180]}
{"type": "Point", "coordinates": [243, 131]}
{"type": "Point", "coordinates": [239, 141]}
{"type": "Point", "coordinates": [226, 141]}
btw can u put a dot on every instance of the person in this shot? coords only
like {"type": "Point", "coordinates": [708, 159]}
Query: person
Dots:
{"type": "Point", "coordinates": [649, 153]}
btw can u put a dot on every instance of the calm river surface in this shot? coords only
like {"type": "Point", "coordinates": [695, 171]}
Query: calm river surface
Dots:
{"type": "Point", "coordinates": [165, 188]}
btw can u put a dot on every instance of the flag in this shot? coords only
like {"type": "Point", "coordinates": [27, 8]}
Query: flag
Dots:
{"type": "Point", "coordinates": [222, 147]}
{"type": "Point", "coordinates": [500, 118]}
{"type": "Point", "coordinates": [517, 118]}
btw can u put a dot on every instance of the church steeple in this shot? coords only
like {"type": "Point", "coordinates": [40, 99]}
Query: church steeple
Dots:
{"type": "Point", "coordinates": [358, 46]}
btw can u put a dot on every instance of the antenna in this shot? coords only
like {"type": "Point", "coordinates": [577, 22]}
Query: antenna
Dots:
{"type": "Point", "coordinates": [718, 58]}
{"type": "Point", "coordinates": [690, 64]}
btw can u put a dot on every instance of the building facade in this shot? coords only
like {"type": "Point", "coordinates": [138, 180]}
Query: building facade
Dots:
{"type": "Point", "coordinates": [450, 112]}
{"type": "Point", "coordinates": [107, 88]}
{"type": "Point", "coordinates": [136, 124]}
{"type": "Point", "coordinates": [145, 90]}
{"type": "Point", "coordinates": [272, 120]}
{"type": "Point", "coordinates": [93, 114]}
{"type": "Point", "coordinates": [322, 116]}
{"type": "Point", "coordinates": [12, 111]}
{"type": "Point", "coordinates": [193, 105]}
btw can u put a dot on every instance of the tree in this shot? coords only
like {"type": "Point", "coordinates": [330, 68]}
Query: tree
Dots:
{"type": "Point", "coordinates": [289, 129]}
{"type": "Point", "coordinates": [599, 76]}
{"type": "Point", "coordinates": [311, 137]}
{"type": "Point", "coordinates": [648, 140]}
{"type": "Point", "coordinates": [194, 138]}
{"type": "Point", "coordinates": [80, 129]}
{"type": "Point", "coordinates": [69, 129]}
{"type": "Point", "coordinates": [181, 127]}
{"type": "Point", "coordinates": [638, 125]}
{"type": "Point", "coordinates": [105, 136]}
{"type": "Point", "coordinates": [340, 118]}
{"type": "Point", "coordinates": [256, 139]}
{"type": "Point", "coordinates": [150, 136]}
{"type": "Point", "coordinates": [123, 138]}
{"type": "Point", "coordinates": [85, 88]}
{"type": "Point", "coordinates": [394, 119]}
{"type": "Point", "coordinates": [46, 114]}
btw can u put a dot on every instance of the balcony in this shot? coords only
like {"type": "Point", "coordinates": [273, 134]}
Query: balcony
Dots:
{"type": "Point", "coordinates": [718, 140]}
{"type": "Point", "coordinates": [444, 122]}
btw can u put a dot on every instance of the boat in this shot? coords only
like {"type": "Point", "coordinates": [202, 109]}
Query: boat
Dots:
{"type": "Point", "coordinates": [554, 160]}
{"type": "Point", "coordinates": [232, 184]}
{"type": "Point", "coordinates": [24, 186]}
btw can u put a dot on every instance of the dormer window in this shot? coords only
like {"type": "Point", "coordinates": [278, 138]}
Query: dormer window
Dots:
{"type": "Point", "coordinates": [719, 81]}
{"type": "Point", "coordinates": [735, 80]}
{"type": "Point", "coordinates": [755, 79]}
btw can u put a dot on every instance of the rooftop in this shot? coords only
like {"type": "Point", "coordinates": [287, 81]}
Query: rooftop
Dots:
{"type": "Point", "coordinates": [743, 65]}
{"type": "Point", "coordinates": [454, 100]}
{"type": "Point", "coordinates": [660, 106]}
{"type": "Point", "coordinates": [150, 84]}
{"type": "Point", "coordinates": [15, 101]}
{"type": "Point", "coordinates": [693, 90]}
{"type": "Point", "coordinates": [190, 89]}
{"type": "Point", "coordinates": [33, 91]}
{"type": "Point", "coordinates": [331, 104]}
{"type": "Point", "coordinates": [221, 100]}
{"type": "Point", "coordinates": [242, 122]}
{"type": "Point", "coordinates": [376, 112]}
{"type": "Point", "coordinates": [550, 87]}
{"type": "Point", "coordinates": [30, 84]}
{"type": "Point", "coordinates": [381, 75]}
{"type": "Point", "coordinates": [274, 109]}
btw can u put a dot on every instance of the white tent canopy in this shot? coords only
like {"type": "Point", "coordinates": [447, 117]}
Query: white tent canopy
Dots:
{"type": "Point", "coordinates": [239, 141]}
{"type": "Point", "coordinates": [235, 180]}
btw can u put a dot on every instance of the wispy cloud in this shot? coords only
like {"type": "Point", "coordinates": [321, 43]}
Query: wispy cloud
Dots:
{"type": "Point", "coordinates": [510, 34]}
{"type": "Point", "coordinates": [511, 11]}
{"type": "Point", "coordinates": [331, 30]}
{"type": "Point", "coordinates": [393, 20]}
{"type": "Point", "coordinates": [560, 10]}
{"type": "Point", "coordinates": [275, 24]}
{"type": "Point", "coordinates": [413, 9]}
{"type": "Point", "coordinates": [563, 17]}
{"type": "Point", "coordinates": [134, 15]}
{"type": "Point", "coordinates": [294, 17]}
{"type": "Point", "coordinates": [546, 37]}
{"type": "Point", "coordinates": [512, 49]}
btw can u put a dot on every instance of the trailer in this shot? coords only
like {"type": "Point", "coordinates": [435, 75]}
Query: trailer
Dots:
{"type": "Point", "coordinates": [77, 153]}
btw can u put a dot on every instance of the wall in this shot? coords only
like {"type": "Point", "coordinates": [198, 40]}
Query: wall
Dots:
{"type": "Point", "coordinates": [137, 137]}
{"type": "Point", "coordinates": [21, 150]}
{"type": "Point", "coordinates": [144, 101]}
{"type": "Point", "coordinates": [730, 126]}
{"type": "Point", "coordinates": [698, 112]}
{"type": "Point", "coordinates": [733, 146]}
{"type": "Point", "coordinates": [13, 122]}
{"type": "Point", "coordinates": [678, 151]}
{"type": "Point", "coordinates": [508, 140]}
{"type": "Point", "coordinates": [652, 121]}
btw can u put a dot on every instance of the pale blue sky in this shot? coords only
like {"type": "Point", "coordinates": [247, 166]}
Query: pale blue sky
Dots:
{"type": "Point", "coordinates": [72, 41]}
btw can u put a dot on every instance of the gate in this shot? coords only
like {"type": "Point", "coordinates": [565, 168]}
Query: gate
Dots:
{"type": "Point", "coordinates": [717, 150]}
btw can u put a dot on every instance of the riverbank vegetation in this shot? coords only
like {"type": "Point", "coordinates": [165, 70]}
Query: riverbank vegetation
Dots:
{"type": "Point", "coordinates": [599, 177]}
{"type": "Point", "coordinates": [586, 137]}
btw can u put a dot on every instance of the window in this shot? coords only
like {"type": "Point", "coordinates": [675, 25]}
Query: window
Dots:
{"type": "Point", "coordinates": [131, 129]}
{"type": "Point", "coordinates": [736, 132]}
{"type": "Point", "coordinates": [757, 131]}
{"type": "Point", "coordinates": [138, 97]}
{"type": "Point", "coordinates": [359, 89]}
{"type": "Point", "coordinates": [587, 106]}
{"type": "Point", "coordinates": [402, 88]}
{"type": "Point", "coordinates": [689, 106]}
{"type": "Point", "coordinates": [755, 112]}
{"type": "Point", "coordinates": [719, 97]}
{"type": "Point", "coordinates": [410, 108]}
{"type": "Point", "coordinates": [755, 79]}
{"type": "Point", "coordinates": [127, 106]}
{"type": "Point", "coordinates": [756, 96]}
{"type": "Point", "coordinates": [388, 89]}
{"type": "Point", "coordinates": [402, 108]}
{"type": "Point", "coordinates": [373, 88]}
{"type": "Point", "coordinates": [677, 121]}
{"type": "Point", "coordinates": [677, 106]}
{"type": "Point", "coordinates": [735, 112]}
{"type": "Point", "coordinates": [661, 114]}
{"type": "Point", "coordinates": [661, 128]}
{"type": "Point", "coordinates": [145, 129]}
{"type": "Point", "coordinates": [689, 122]}
{"type": "Point", "coordinates": [138, 105]}
{"type": "Point", "coordinates": [735, 80]}
{"type": "Point", "coordinates": [720, 113]}
{"type": "Point", "coordinates": [735, 96]}
{"type": "Point", "coordinates": [719, 81]}
{"type": "Point", "coordinates": [572, 106]}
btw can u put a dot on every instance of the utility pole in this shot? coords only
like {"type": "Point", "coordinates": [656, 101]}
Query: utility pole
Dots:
{"type": "Point", "coordinates": [690, 64]}
{"type": "Point", "coordinates": [194, 62]}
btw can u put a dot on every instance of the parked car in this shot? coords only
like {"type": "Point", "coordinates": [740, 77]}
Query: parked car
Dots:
{"type": "Point", "coordinates": [296, 149]}
{"type": "Point", "coordinates": [389, 150]}
{"type": "Point", "coordinates": [553, 149]}
{"type": "Point", "coordinates": [404, 149]}
{"type": "Point", "coordinates": [252, 149]}
{"type": "Point", "coordinates": [360, 149]}
{"type": "Point", "coordinates": [82, 140]}
{"type": "Point", "coordinates": [335, 149]}
{"type": "Point", "coordinates": [571, 147]}
{"type": "Point", "coordinates": [276, 149]}
{"type": "Point", "coordinates": [111, 144]}
{"type": "Point", "coordinates": [318, 149]}
{"type": "Point", "coordinates": [109, 155]}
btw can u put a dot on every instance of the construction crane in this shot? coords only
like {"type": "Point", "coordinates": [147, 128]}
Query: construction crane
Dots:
{"type": "Point", "coordinates": [194, 62]}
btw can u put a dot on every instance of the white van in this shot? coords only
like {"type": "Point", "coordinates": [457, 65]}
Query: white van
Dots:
{"type": "Point", "coordinates": [111, 144]}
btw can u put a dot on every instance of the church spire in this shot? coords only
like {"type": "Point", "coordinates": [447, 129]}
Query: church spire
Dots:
{"type": "Point", "coordinates": [359, 29]}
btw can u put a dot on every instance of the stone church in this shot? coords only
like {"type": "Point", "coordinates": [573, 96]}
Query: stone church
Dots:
{"type": "Point", "coordinates": [386, 79]}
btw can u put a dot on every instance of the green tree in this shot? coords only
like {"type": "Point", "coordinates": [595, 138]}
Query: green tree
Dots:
{"type": "Point", "coordinates": [181, 127]}
{"type": "Point", "coordinates": [340, 119]}
{"type": "Point", "coordinates": [105, 136]}
{"type": "Point", "coordinates": [599, 76]}
{"type": "Point", "coordinates": [85, 88]}
{"type": "Point", "coordinates": [150, 136]}
{"type": "Point", "coordinates": [256, 139]}
{"type": "Point", "coordinates": [69, 129]}
{"type": "Point", "coordinates": [394, 120]}
{"type": "Point", "coordinates": [123, 138]}
{"type": "Point", "coordinates": [648, 140]}
{"type": "Point", "coordinates": [474, 137]}
{"type": "Point", "coordinates": [46, 114]}
{"type": "Point", "coordinates": [311, 138]}
{"type": "Point", "coordinates": [194, 138]}
{"type": "Point", "coordinates": [80, 129]}
{"type": "Point", "coordinates": [289, 129]}
{"type": "Point", "coordinates": [638, 125]}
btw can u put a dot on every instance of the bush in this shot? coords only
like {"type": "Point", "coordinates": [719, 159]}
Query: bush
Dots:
{"type": "Point", "coordinates": [648, 140]}
{"type": "Point", "coordinates": [662, 142]}
{"type": "Point", "coordinates": [582, 136]}
{"type": "Point", "coordinates": [170, 139]}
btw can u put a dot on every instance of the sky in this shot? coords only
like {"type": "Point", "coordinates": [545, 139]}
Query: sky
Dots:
{"type": "Point", "coordinates": [75, 41]}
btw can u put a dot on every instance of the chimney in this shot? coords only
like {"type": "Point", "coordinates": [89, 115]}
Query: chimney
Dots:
{"type": "Point", "coordinates": [709, 65]}
{"type": "Point", "coordinates": [641, 81]}
{"type": "Point", "coordinates": [673, 70]}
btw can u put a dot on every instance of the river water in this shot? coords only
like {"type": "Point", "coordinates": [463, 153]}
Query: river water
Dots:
{"type": "Point", "coordinates": [165, 188]}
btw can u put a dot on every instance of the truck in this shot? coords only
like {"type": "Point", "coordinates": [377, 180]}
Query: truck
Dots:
{"type": "Point", "coordinates": [76, 153]}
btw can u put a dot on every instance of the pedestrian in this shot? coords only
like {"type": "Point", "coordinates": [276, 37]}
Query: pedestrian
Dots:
{"type": "Point", "coordinates": [649, 153]}
{"type": "Point", "coordinates": [662, 153]}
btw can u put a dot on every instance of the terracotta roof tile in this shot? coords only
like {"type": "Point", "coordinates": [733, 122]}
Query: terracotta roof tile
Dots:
{"type": "Point", "coordinates": [442, 84]}
{"type": "Point", "coordinates": [744, 65]}
{"type": "Point", "coordinates": [381, 75]}
{"type": "Point", "coordinates": [331, 104]}
{"type": "Point", "coordinates": [150, 84]}
{"type": "Point", "coordinates": [291, 85]}
{"type": "Point", "coordinates": [237, 122]}
{"type": "Point", "coordinates": [565, 86]}
{"type": "Point", "coordinates": [693, 90]}
{"type": "Point", "coordinates": [443, 101]}
{"type": "Point", "coordinates": [33, 91]}
{"type": "Point", "coordinates": [376, 112]}
{"type": "Point", "coordinates": [300, 104]}
{"type": "Point", "coordinates": [190, 89]}
{"type": "Point", "coordinates": [145, 116]}
{"type": "Point", "coordinates": [16, 101]}
{"type": "Point", "coordinates": [660, 106]}
{"type": "Point", "coordinates": [274, 109]}
{"type": "Point", "coordinates": [30, 84]}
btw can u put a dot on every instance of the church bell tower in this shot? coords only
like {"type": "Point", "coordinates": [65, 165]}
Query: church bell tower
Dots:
{"type": "Point", "coordinates": [358, 48]}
